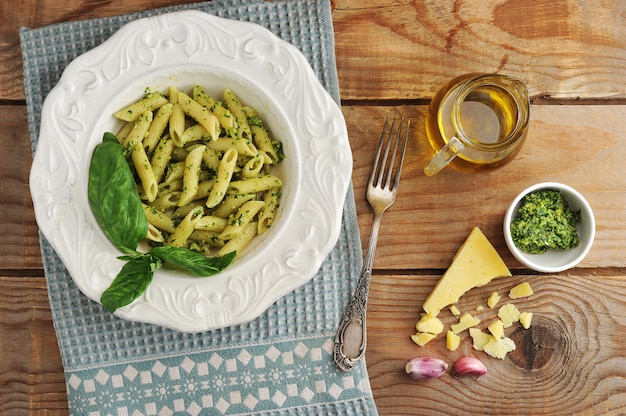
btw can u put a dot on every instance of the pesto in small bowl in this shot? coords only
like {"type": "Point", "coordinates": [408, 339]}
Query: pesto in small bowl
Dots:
{"type": "Point", "coordinates": [549, 227]}
{"type": "Point", "coordinates": [545, 221]}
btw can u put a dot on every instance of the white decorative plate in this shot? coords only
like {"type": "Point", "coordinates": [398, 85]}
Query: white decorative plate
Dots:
{"type": "Point", "coordinates": [183, 49]}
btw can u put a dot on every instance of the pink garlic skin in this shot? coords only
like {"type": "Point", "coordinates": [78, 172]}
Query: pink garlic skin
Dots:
{"type": "Point", "coordinates": [468, 367]}
{"type": "Point", "coordinates": [423, 368]}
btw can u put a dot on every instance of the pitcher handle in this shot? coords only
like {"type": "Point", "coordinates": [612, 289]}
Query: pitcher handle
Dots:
{"type": "Point", "coordinates": [443, 157]}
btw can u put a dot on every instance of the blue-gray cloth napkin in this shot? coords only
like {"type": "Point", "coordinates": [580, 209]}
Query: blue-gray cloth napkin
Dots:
{"type": "Point", "coordinates": [280, 363]}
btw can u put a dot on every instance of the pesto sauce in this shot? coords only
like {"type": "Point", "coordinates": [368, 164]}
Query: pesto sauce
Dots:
{"type": "Point", "coordinates": [545, 221]}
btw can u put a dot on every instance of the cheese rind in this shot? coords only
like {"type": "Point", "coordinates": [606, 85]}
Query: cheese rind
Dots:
{"type": "Point", "coordinates": [475, 264]}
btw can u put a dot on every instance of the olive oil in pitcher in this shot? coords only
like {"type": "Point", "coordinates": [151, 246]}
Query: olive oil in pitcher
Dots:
{"type": "Point", "coordinates": [477, 123]}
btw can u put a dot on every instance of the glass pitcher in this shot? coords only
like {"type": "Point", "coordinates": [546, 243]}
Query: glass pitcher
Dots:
{"type": "Point", "coordinates": [477, 123]}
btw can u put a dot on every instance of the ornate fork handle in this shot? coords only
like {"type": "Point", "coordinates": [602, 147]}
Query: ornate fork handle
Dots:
{"type": "Point", "coordinates": [351, 338]}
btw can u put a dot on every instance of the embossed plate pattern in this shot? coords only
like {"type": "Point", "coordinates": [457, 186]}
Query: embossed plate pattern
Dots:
{"type": "Point", "coordinates": [182, 49]}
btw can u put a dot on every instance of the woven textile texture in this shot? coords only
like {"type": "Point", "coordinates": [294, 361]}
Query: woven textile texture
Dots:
{"type": "Point", "coordinates": [280, 363]}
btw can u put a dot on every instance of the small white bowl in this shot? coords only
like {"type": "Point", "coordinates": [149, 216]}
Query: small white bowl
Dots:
{"type": "Point", "coordinates": [554, 260]}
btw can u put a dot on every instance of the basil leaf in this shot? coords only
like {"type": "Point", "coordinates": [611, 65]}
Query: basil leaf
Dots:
{"type": "Point", "coordinates": [113, 196]}
{"type": "Point", "coordinates": [130, 282]}
{"type": "Point", "coordinates": [194, 262]}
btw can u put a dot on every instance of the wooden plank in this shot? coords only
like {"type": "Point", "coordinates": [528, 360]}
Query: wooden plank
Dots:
{"type": "Point", "coordinates": [570, 360]}
{"type": "Point", "coordinates": [573, 352]}
{"type": "Point", "coordinates": [388, 50]}
{"type": "Point", "coordinates": [31, 374]}
{"type": "Point", "coordinates": [20, 240]}
{"type": "Point", "coordinates": [45, 12]}
{"type": "Point", "coordinates": [391, 50]}
{"type": "Point", "coordinates": [582, 146]}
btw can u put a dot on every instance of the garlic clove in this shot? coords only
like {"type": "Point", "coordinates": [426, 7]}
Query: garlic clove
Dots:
{"type": "Point", "coordinates": [468, 366]}
{"type": "Point", "coordinates": [422, 368]}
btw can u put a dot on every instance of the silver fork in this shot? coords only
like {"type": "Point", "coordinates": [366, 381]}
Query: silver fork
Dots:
{"type": "Point", "coordinates": [351, 338]}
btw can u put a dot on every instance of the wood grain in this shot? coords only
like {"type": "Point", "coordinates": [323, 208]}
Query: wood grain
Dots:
{"type": "Point", "coordinates": [391, 50]}
{"type": "Point", "coordinates": [565, 49]}
{"type": "Point", "coordinates": [20, 241]}
{"type": "Point", "coordinates": [582, 146]}
{"type": "Point", "coordinates": [570, 361]}
{"type": "Point", "coordinates": [412, 236]}
{"type": "Point", "coordinates": [391, 58]}
{"type": "Point", "coordinates": [31, 374]}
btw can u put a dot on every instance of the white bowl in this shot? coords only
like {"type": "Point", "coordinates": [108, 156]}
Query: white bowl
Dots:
{"type": "Point", "coordinates": [554, 260]}
{"type": "Point", "coordinates": [182, 49]}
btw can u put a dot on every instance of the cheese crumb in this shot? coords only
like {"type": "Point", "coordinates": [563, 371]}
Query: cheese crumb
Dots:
{"type": "Point", "coordinates": [430, 324]}
{"type": "Point", "coordinates": [508, 314]}
{"type": "Point", "coordinates": [525, 318]}
{"type": "Point", "coordinates": [523, 290]}
{"type": "Point", "coordinates": [465, 321]}
{"type": "Point", "coordinates": [498, 348]}
{"type": "Point", "coordinates": [452, 341]}
{"type": "Point", "coordinates": [479, 338]}
{"type": "Point", "coordinates": [422, 338]}
{"type": "Point", "coordinates": [497, 329]}
{"type": "Point", "coordinates": [493, 300]}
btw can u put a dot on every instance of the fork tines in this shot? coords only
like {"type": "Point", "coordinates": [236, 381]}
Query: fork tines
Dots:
{"type": "Point", "coordinates": [387, 139]}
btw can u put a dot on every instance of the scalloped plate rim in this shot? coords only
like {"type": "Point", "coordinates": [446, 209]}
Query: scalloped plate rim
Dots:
{"type": "Point", "coordinates": [332, 113]}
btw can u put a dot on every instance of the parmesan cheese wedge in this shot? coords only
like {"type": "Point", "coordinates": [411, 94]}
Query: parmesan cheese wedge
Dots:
{"type": "Point", "coordinates": [475, 264]}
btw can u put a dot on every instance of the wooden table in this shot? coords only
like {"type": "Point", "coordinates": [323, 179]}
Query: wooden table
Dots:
{"type": "Point", "coordinates": [391, 57]}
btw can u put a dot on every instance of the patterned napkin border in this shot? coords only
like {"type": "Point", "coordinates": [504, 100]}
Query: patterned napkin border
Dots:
{"type": "Point", "coordinates": [280, 363]}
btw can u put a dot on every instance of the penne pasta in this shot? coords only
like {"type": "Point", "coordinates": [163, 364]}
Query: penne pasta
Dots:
{"type": "Point", "coordinates": [240, 241]}
{"type": "Point", "coordinates": [201, 114]}
{"type": "Point", "coordinates": [177, 118]}
{"type": "Point", "coordinates": [180, 212]}
{"type": "Point", "coordinates": [256, 184]}
{"type": "Point", "coordinates": [226, 119]}
{"type": "Point", "coordinates": [241, 219]}
{"type": "Point", "coordinates": [157, 127]}
{"type": "Point", "coordinates": [145, 172]}
{"type": "Point", "coordinates": [207, 239]}
{"type": "Point", "coordinates": [158, 219]}
{"type": "Point", "coordinates": [244, 147]}
{"type": "Point", "coordinates": [180, 235]}
{"type": "Point", "coordinates": [139, 130]}
{"type": "Point", "coordinates": [161, 157]}
{"type": "Point", "coordinates": [123, 132]}
{"type": "Point", "coordinates": [211, 158]}
{"type": "Point", "coordinates": [212, 223]}
{"type": "Point", "coordinates": [195, 133]}
{"type": "Point", "coordinates": [231, 203]}
{"type": "Point", "coordinates": [166, 202]}
{"type": "Point", "coordinates": [191, 176]}
{"type": "Point", "coordinates": [154, 234]}
{"type": "Point", "coordinates": [203, 169]}
{"type": "Point", "coordinates": [252, 167]}
{"type": "Point", "coordinates": [175, 171]}
{"type": "Point", "coordinates": [260, 136]}
{"type": "Point", "coordinates": [149, 103]}
{"type": "Point", "coordinates": [222, 180]}
{"type": "Point", "coordinates": [271, 197]}
{"type": "Point", "coordinates": [235, 107]}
